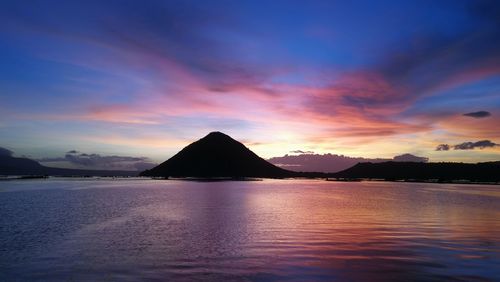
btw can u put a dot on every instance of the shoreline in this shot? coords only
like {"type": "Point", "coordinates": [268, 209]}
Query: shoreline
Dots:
{"type": "Point", "coordinates": [239, 179]}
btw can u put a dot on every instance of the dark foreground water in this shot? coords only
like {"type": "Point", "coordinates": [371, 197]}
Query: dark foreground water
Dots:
{"type": "Point", "coordinates": [116, 230]}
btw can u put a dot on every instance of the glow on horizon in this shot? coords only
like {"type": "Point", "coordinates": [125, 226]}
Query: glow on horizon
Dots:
{"type": "Point", "coordinates": [146, 79]}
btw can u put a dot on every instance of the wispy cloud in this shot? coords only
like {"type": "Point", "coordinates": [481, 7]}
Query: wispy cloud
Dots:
{"type": "Point", "coordinates": [157, 64]}
{"type": "Point", "coordinates": [301, 152]}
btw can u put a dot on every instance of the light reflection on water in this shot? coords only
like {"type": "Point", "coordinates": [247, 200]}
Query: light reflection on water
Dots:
{"type": "Point", "coordinates": [298, 230]}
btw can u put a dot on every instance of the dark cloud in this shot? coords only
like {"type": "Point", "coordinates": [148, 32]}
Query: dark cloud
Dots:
{"type": "Point", "coordinates": [5, 152]}
{"type": "Point", "coordinates": [480, 114]}
{"type": "Point", "coordinates": [443, 147]}
{"type": "Point", "coordinates": [467, 145]}
{"type": "Point", "coordinates": [97, 161]}
{"type": "Point", "coordinates": [410, 158]}
{"type": "Point", "coordinates": [473, 145]}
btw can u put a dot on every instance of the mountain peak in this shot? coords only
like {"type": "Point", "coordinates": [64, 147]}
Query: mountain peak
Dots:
{"type": "Point", "coordinates": [218, 135]}
{"type": "Point", "coordinates": [216, 155]}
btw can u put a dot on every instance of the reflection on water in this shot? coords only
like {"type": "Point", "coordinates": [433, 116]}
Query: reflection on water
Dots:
{"type": "Point", "coordinates": [270, 230]}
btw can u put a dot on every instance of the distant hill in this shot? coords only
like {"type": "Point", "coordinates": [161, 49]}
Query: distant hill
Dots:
{"type": "Point", "coordinates": [328, 163]}
{"type": "Point", "coordinates": [480, 172]}
{"type": "Point", "coordinates": [22, 166]}
{"type": "Point", "coordinates": [217, 155]}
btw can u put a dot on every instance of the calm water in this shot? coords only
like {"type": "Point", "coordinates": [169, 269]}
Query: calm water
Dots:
{"type": "Point", "coordinates": [248, 231]}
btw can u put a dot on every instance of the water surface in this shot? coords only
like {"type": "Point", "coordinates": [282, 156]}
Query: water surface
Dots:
{"type": "Point", "coordinates": [286, 230]}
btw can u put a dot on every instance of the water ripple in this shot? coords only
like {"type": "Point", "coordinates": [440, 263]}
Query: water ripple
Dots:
{"type": "Point", "coordinates": [133, 230]}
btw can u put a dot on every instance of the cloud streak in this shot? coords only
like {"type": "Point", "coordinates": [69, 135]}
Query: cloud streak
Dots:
{"type": "Point", "coordinates": [377, 100]}
{"type": "Point", "coordinates": [173, 66]}
{"type": "Point", "coordinates": [301, 152]}
{"type": "Point", "coordinates": [480, 114]}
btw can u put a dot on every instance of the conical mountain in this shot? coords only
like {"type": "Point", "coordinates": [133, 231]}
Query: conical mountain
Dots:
{"type": "Point", "coordinates": [216, 155]}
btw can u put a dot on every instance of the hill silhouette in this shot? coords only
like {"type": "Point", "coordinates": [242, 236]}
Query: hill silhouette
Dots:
{"type": "Point", "coordinates": [479, 172]}
{"type": "Point", "coordinates": [328, 163]}
{"type": "Point", "coordinates": [217, 155]}
{"type": "Point", "coordinates": [10, 165]}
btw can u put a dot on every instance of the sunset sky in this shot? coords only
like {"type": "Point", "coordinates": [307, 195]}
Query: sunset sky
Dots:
{"type": "Point", "coordinates": [142, 79]}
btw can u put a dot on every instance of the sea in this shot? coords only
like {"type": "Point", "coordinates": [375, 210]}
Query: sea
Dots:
{"type": "Point", "coordinates": [112, 229]}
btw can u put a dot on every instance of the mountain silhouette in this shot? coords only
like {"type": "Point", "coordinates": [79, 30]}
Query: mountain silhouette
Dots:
{"type": "Point", "coordinates": [479, 172]}
{"type": "Point", "coordinates": [217, 155]}
{"type": "Point", "coordinates": [10, 165]}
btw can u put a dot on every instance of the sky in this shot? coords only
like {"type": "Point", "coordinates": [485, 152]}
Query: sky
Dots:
{"type": "Point", "coordinates": [139, 80]}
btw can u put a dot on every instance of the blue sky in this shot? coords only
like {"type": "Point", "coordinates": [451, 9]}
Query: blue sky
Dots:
{"type": "Point", "coordinates": [143, 79]}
